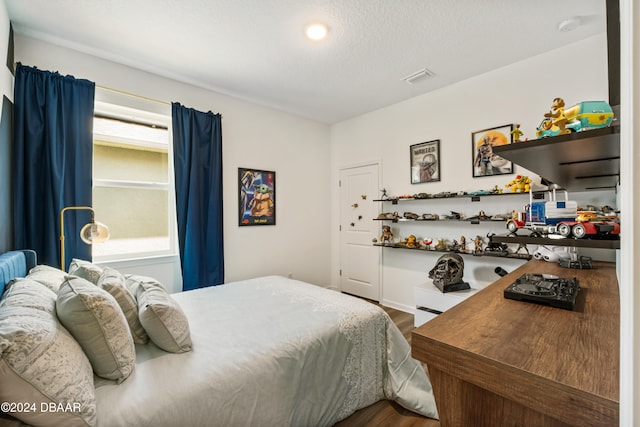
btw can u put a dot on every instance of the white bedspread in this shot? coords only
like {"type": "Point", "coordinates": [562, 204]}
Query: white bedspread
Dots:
{"type": "Point", "coordinates": [269, 352]}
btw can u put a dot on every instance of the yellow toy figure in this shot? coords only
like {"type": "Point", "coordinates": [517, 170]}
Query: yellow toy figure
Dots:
{"type": "Point", "coordinates": [411, 242]}
{"type": "Point", "coordinates": [520, 184]}
{"type": "Point", "coordinates": [517, 133]}
{"type": "Point", "coordinates": [557, 115]}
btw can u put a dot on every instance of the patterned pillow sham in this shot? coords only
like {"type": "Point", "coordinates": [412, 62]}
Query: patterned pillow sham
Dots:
{"type": "Point", "coordinates": [40, 363]}
{"type": "Point", "coordinates": [114, 282]}
{"type": "Point", "coordinates": [29, 293]}
{"type": "Point", "coordinates": [160, 315]}
{"type": "Point", "coordinates": [85, 269]}
{"type": "Point", "coordinates": [98, 324]}
{"type": "Point", "coordinates": [49, 276]}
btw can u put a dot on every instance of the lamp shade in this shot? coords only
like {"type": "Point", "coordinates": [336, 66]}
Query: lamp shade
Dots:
{"type": "Point", "coordinates": [94, 232]}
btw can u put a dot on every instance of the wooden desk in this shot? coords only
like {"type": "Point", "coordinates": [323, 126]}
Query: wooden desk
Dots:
{"type": "Point", "coordinates": [495, 361]}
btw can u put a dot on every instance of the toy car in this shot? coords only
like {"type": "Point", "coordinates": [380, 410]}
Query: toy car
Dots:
{"type": "Point", "coordinates": [582, 116]}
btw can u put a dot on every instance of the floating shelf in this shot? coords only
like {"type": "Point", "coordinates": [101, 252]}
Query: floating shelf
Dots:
{"type": "Point", "coordinates": [579, 243]}
{"type": "Point", "coordinates": [484, 253]}
{"type": "Point", "coordinates": [580, 161]}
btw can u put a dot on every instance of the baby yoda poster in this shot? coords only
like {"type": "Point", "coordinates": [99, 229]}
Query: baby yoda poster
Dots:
{"type": "Point", "coordinates": [257, 197]}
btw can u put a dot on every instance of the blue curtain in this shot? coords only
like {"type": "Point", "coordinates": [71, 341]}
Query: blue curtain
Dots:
{"type": "Point", "coordinates": [197, 148]}
{"type": "Point", "coordinates": [53, 153]}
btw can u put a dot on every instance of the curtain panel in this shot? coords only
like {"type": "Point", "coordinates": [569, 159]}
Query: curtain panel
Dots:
{"type": "Point", "coordinates": [53, 153]}
{"type": "Point", "coordinates": [197, 146]}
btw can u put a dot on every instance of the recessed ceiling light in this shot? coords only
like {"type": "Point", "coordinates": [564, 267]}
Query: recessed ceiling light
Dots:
{"type": "Point", "coordinates": [316, 31]}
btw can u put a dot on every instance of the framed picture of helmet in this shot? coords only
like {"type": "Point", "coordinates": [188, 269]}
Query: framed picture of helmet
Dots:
{"type": "Point", "coordinates": [425, 162]}
{"type": "Point", "coordinates": [485, 161]}
{"type": "Point", "coordinates": [256, 197]}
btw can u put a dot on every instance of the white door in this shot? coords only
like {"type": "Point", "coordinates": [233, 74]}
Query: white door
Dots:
{"type": "Point", "coordinates": [359, 259]}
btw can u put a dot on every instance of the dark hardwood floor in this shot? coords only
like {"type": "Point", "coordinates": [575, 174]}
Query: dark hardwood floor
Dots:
{"type": "Point", "coordinates": [387, 413]}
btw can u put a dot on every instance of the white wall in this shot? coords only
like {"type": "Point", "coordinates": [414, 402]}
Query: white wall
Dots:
{"type": "Point", "coordinates": [253, 136]}
{"type": "Point", "coordinates": [519, 93]}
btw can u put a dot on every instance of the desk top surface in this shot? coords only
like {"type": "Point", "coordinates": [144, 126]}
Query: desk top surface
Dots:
{"type": "Point", "coordinates": [577, 350]}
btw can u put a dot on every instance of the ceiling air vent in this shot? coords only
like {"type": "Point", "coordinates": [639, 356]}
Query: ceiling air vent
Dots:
{"type": "Point", "coordinates": [418, 76]}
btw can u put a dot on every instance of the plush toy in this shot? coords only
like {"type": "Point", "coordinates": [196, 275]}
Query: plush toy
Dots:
{"type": "Point", "coordinates": [520, 184]}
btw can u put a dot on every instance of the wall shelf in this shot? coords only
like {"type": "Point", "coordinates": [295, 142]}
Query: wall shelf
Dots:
{"type": "Point", "coordinates": [578, 243]}
{"type": "Point", "coordinates": [581, 161]}
{"type": "Point", "coordinates": [471, 195]}
{"type": "Point", "coordinates": [484, 253]}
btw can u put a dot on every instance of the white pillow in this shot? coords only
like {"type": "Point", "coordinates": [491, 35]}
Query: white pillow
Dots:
{"type": "Point", "coordinates": [51, 277]}
{"type": "Point", "coordinates": [114, 282]}
{"type": "Point", "coordinates": [30, 293]}
{"type": "Point", "coordinates": [40, 363]}
{"type": "Point", "coordinates": [161, 316]}
{"type": "Point", "coordinates": [97, 322]}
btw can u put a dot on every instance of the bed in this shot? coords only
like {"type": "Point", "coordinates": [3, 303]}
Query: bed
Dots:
{"type": "Point", "coordinates": [269, 351]}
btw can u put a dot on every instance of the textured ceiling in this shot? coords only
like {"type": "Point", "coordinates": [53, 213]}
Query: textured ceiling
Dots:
{"type": "Point", "coordinates": [255, 49]}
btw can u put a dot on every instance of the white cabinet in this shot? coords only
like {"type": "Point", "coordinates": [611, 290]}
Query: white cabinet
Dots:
{"type": "Point", "coordinates": [430, 301]}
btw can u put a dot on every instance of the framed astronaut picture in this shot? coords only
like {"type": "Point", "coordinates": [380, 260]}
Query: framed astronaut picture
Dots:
{"type": "Point", "coordinates": [256, 197]}
{"type": "Point", "coordinates": [485, 161]}
{"type": "Point", "coordinates": [425, 162]}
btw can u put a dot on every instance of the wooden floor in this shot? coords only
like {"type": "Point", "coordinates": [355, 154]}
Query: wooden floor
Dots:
{"type": "Point", "coordinates": [386, 413]}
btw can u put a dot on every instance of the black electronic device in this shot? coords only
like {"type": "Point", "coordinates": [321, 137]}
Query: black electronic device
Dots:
{"type": "Point", "coordinates": [544, 289]}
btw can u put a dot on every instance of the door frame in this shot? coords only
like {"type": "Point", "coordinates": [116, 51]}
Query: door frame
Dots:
{"type": "Point", "coordinates": [378, 164]}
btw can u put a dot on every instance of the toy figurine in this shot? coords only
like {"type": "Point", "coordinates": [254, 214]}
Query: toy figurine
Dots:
{"type": "Point", "coordinates": [478, 244]}
{"type": "Point", "coordinates": [384, 195]}
{"type": "Point", "coordinates": [557, 116]}
{"type": "Point", "coordinates": [427, 243]}
{"type": "Point", "coordinates": [520, 184]}
{"type": "Point", "coordinates": [387, 235]}
{"type": "Point", "coordinates": [411, 242]}
{"type": "Point", "coordinates": [517, 133]}
{"type": "Point", "coordinates": [441, 245]}
{"type": "Point", "coordinates": [463, 244]}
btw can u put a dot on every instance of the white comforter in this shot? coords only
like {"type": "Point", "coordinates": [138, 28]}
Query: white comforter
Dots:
{"type": "Point", "coordinates": [269, 352]}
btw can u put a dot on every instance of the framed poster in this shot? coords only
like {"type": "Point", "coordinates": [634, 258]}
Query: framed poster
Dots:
{"type": "Point", "coordinates": [485, 162]}
{"type": "Point", "coordinates": [425, 162]}
{"type": "Point", "coordinates": [256, 197]}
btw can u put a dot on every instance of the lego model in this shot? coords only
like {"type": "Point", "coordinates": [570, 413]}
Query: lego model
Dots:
{"type": "Point", "coordinates": [520, 184]}
{"type": "Point", "coordinates": [582, 116]}
{"type": "Point", "coordinates": [559, 217]}
{"type": "Point", "coordinates": [543, 217]}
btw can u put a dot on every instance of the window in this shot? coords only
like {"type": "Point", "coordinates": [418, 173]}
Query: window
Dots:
{"type": "Point", "coordinates": [133, 183]}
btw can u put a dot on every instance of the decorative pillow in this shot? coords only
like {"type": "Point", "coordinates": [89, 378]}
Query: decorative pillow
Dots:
{"type": "Point", "coordinates": [29, 293]}
{"type": "Point", "coordinates": [85, 269]}
{"type": "Point", "coordinates": [96, 321]}
{"type": "Point", "coordinates": [41, 364]}
{"type": "Point", "coordinates": [161, 316]}
{"type": "Point", "coordinates": [114, 282]}
{"type": "Point", "coordinates": [134, 281]}
{"type": "Point", "coordinates": [51, 277]}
